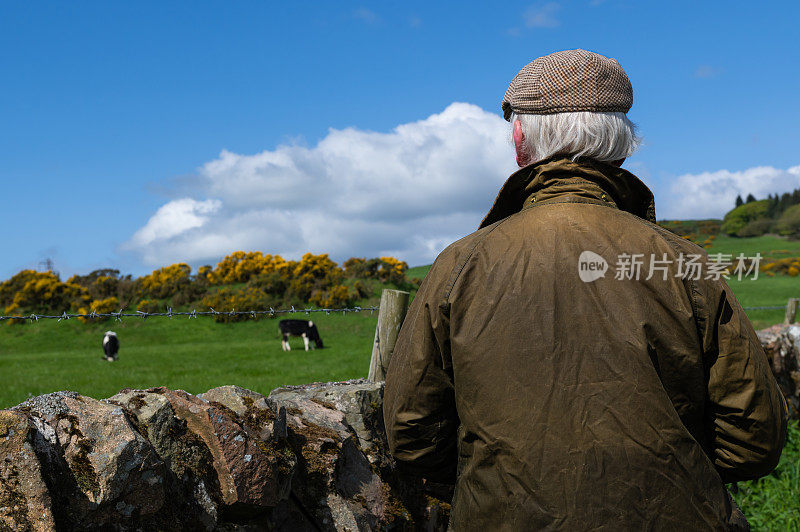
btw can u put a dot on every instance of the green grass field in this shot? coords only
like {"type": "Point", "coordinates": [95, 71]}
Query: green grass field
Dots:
{"type": "Point", "coordinates": [196, 355]}
{"type": "Point", "coordinates": [769, 246]}
{"type": "Point", "coordinates": [764, 291]}
{"type": "Point", "coordinates": [193, 355]}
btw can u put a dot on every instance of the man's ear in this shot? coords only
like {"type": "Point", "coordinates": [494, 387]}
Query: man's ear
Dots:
{"type": "Point", "coordinates": [523, 157]}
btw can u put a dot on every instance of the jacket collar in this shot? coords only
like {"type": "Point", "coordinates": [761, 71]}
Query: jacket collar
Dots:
{"type": "Point", "coordinates": [562, 179]}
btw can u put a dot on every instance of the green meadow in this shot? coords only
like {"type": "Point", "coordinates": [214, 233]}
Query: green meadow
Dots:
{"type": "Point", "coordinates": [182, 353]}
{"type": "Point", "coordinates": [765, 290]}
{"type": "Point", "coordinates": [198, 354]}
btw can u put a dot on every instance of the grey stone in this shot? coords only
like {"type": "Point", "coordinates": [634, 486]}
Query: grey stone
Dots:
{"type": "Point", "coordinates": [782, 345]}
{"type": "Point", "coordinates": [107, 464]}
{"type": "Point", "coordinates": [25, 501]}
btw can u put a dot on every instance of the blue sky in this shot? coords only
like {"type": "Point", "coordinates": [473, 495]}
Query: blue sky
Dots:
{"type": "Point", "coordinates": [134, 135]}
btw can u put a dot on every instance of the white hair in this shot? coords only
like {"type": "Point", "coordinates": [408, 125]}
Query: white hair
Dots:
{"type": "Point", "coordinates": [601, 136]}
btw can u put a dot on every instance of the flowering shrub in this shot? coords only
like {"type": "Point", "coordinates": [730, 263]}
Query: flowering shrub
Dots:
{"type": "Point", "coordinates": [385, 269]}
{"type": "Point", "coordinates": [392, 270]}
{"type": "Point", "coordinates": [335, 297]}
{"type": "Point", "coordinates": [228, 299]}
{"type": "Point", "coordinates": [787, 266]}
{"type": "Point", "coordinates": [165, 282]}
{"type": "Point", "coordinates": [41, 292]}
{"type": "Point", "coordinates": [313, 273]}
{"type": "Point", "coordinates": [239, 267]}
{"type": "Point", "coordinates": [105, 283]}
{"type": "Point", "coordinates": [269, 281]}
{"type": "Point", "coordinates": [104, 306]}
{"type": "Point", "coordinates": [205, 273]}
{"type": "Point", "coordinates": [358, 268]}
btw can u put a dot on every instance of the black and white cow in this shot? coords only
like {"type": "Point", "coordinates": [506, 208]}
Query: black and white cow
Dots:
{"type": "Point", "coordinates": [305, 329]}
{"type": "Point", "coordinates": [110, 346]}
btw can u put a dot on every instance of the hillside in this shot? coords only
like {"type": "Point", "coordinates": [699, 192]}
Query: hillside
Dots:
{"type": "Point", "coordinates": [778, 214]}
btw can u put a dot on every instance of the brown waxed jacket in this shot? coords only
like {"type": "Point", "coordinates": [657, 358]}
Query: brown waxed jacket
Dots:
{"type": "Point", "coordinates": [555, 403]}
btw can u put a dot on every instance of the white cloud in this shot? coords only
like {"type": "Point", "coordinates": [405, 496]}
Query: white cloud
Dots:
{"type": "Point", "coordinates": [712, 194]}
{"type": "Point", "coordinates": [174, 218]}
{"type": "Point", "coordinates": [408, 192]}
{"type": "Point", "coordinates": [542, 16]}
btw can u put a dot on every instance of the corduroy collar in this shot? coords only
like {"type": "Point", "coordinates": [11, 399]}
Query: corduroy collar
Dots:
{"type": "Point", "coordinates": [562, 178]}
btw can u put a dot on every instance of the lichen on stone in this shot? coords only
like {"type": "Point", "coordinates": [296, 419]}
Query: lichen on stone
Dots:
{"type": "Point", "coordinates": [82, 469]}
{"type": "Point", "coordinates": [257, 418]}
{"type": "Point", "coordinates": [13, 503]}
{"type": "Point", "coordinates": [79, 463]}
{"type": "Point", "coordinates": [326, 404]}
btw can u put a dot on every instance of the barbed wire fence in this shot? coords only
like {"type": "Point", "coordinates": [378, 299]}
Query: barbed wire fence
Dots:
{"type": "Point", "coordinates": [271, 312]}
{"type": "Point", "coordinates": [169, 313]}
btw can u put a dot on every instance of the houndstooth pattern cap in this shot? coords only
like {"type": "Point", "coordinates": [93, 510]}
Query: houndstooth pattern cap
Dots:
{"type": "Point", "coordinates": [572, 80]}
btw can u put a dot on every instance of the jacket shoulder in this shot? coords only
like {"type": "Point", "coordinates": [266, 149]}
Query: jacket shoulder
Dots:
{"type": "Point", "coordinates": [678, 243]}
{"type": "Point", "coordinates": [451, 261]}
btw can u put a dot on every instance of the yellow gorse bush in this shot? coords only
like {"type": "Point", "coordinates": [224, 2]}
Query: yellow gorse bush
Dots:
{"type": "Point", "coordinates": [165, 281]}
{"type": "Point", "coordinates": [336, 297]}
{"type": "Point", "coordinates": [240, 266]}
{"type": "Point", "coordinates": [105, 306]}
{"type": "Point", "coordinates": [392, 270]}
{"type": "Point", "coordinates": [41, 292]}
{"type": "Point", "coordinates": [254, 281]}
{"type": "Point", "coordinates": [385, 269]}
{"type": "Point", "coordinates": [787, 265]}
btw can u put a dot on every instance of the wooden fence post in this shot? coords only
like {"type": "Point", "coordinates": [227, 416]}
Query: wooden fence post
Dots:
{"type": "Point", "coordinates": [394, 305]}
{"type": "Point", "coordinates": [791, 310]}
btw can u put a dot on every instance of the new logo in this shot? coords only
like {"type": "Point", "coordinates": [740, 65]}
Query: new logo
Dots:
{"type": "Point", "coordinates": [591, 266]}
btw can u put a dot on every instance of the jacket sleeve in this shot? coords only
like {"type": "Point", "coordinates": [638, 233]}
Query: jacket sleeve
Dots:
{"type": "Point", "coordinates": [419, 402]}
{"type": "Point", "coordinates": [746, 410]}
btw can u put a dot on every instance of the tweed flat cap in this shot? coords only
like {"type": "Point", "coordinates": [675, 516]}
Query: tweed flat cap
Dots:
{"type": "Point", "coordinates": [572, 80]}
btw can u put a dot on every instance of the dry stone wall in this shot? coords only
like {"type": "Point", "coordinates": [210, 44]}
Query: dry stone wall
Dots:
{"type": "Point", "coordinates": [308, 457]}
{"type": "Point", "coordinates": [782, 344]}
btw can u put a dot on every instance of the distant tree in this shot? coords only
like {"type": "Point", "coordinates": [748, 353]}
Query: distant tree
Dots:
{"type": "Point", "coordinates": [738, 218]}
{"type": "Point", "coordinates": [756, 227]}
{"type": "Point", "coordinates": [785, 202]}
{"type": "Point", "coordinates": [789, 222]}
{"type": "Point", "coordinates": [750, 198]}
{"type": "Point", "coordinates": [739, 201]}
{"type": "Point", "coordinates": [772, 206]}
{"type": "Point", "coordinates": [105, 283]}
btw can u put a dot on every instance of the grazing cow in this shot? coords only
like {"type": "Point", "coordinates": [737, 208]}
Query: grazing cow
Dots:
{"type": "Point", "coordinates": [306, 329]}
{"type": "Point", "coordinates": [110, 346]}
